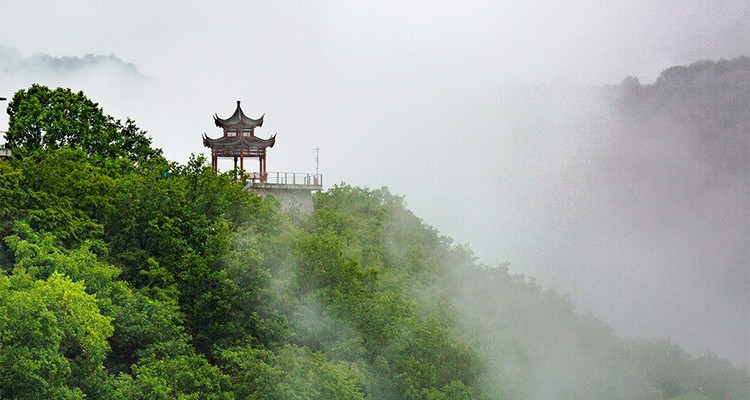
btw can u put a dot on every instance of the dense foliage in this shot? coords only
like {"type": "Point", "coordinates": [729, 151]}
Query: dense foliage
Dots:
{"type": "Point", "coordinates": [41, 118]}
{"type": "Point", "coordinates": [125, 276]}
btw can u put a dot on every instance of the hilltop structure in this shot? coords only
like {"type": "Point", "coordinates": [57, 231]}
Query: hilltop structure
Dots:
{"type": "Point", "coordinates": [292, 189]}
{"type": "Point", "coordinates": [239, 141]}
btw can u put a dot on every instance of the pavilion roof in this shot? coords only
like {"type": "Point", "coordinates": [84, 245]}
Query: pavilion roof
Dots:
{"type": "Point", "coordinates": [248, 145]}
{"type": "Point", "coordinates": [238, 121]}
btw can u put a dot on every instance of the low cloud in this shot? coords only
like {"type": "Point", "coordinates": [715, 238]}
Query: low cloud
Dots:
{"type": "Point", "coordinates": [44, 66]}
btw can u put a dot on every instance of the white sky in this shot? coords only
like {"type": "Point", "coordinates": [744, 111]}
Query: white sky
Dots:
{"type": "Point", "coordinates": [439, 101]}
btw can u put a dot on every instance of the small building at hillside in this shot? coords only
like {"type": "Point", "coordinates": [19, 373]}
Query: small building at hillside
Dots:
{"type": "Point", "coordinates": [238, 142]}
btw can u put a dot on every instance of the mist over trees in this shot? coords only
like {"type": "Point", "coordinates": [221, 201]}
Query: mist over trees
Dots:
{"type": "Point", "coordinates": [707, 102]}
{"type": "Point", "coordinates": [126, 276]}
{"type": "Point", "coordinates": [676, 177]}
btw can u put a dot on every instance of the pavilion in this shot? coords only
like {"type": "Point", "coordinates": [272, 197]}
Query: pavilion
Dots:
{"type": "Point", "coordinates": [239, 141]}
{"type": "Point", "coordinates": [292, 189]}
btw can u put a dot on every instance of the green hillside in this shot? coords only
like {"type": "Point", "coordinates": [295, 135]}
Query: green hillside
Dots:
{"type": "Point", "coordinates": [126, 276]}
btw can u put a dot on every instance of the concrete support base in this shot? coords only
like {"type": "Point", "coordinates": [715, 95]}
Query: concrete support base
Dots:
{"type": "Point", "coordinates": [290, 199]}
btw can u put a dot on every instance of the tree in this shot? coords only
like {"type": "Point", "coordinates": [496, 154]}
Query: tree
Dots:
{"type": "Point", "coordinates": [41, 118]}
{"type": "Point", "coordinates": [182, 377]}
{"type": "Point", "coordinates": [292, 373]}
{"type": "Point", "coordinates": [53, 338]}
{"type": "Point", "coordinates": [172, 370]}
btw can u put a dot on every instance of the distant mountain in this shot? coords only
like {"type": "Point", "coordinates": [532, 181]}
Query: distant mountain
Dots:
{"type": "Point", "coordinates": [671, 180]}
{"type": "Point", "coordinates": [708, 102]}
{"type": "Point", "coordinates": [45, 66]}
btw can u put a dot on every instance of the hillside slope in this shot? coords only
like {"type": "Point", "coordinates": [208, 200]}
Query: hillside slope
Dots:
{"type": "Point", "coordinates": [129, 279]}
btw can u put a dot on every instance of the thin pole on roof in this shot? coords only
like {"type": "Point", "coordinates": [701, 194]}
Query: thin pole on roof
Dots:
{"type": "Point", "coordinates": [317, 158]}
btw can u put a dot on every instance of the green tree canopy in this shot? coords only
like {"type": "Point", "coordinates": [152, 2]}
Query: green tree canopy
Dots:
{"type": "Point", "coordinates": [44, 118]}
{"type": "Point", "coordinates": [52, 337]}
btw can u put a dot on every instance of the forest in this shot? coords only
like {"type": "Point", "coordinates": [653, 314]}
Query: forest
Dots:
{"type": "Point", "coordinates": [124, 275]}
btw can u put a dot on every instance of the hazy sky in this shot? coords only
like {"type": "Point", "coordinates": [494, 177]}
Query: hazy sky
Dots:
{"type": "Point", "coordinates": [479, 112]}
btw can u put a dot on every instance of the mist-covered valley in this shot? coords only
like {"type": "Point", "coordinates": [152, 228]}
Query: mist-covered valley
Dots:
{"type": "Point", "coordinates": [189, 285]}
{"type": "Point", "coordinates": [589, 162]}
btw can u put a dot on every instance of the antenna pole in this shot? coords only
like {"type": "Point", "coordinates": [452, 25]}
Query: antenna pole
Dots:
{"type": "Point", "coordinates": [317, 158]}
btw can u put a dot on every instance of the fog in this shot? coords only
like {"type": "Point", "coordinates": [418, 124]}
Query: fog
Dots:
{"type": "Point", "coordinates": [489, 118]}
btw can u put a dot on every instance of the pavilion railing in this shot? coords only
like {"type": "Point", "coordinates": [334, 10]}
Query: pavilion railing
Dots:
{"type": "Point", "coordinates": [288, 178]}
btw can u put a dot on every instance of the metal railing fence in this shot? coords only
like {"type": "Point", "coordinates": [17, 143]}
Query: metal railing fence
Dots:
{"type": "Point", "coordinates": [288, 178]}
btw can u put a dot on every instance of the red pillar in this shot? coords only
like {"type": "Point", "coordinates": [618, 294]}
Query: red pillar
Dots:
{"type": "Point", "coordinates": [242, 160]}
{"type": "Point", "coordinates": [265, 169]}
{"type": "Point", "coordinates": [260, 168]}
